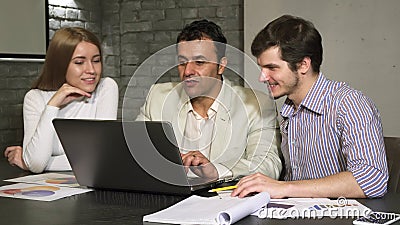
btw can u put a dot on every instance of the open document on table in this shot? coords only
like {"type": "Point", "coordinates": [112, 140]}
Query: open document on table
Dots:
{"type": "Point", "coordinates": [223, 209]}
{"type": "Point", "coordinates": [215, 210]}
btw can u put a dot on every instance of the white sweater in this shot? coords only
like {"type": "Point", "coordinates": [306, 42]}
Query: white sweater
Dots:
{"type": "Point", "coordinates": [42, 149]}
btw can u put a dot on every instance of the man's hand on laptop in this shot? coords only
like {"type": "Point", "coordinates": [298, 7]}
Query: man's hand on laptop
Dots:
{"type": "Point", "coordinates": [199, 164]}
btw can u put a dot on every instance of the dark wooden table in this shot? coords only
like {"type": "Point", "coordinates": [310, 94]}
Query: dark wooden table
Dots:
{"type": "Point", "coordinates": [119, 207]}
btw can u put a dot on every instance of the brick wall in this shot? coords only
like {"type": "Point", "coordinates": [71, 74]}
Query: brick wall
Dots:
{"type": "Point", "coordinates": [15, 79]}
{"type": "Point", "coordinates": [131, 31]}
{"type": "Point", "coordinates": [78, 13]}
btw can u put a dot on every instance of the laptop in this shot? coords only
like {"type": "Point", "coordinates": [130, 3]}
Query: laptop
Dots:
{"type": "Point", "coordinates": [140, 156]}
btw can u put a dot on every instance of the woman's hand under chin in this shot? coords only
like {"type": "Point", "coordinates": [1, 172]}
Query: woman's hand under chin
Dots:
{"type": "Point", "coordinates": [67, 94]}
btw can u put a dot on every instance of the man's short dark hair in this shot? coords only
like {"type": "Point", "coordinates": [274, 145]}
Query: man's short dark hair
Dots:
{"type": "Point", "coordinates": [296, 38]}
{"type": "Point", "coordinates": [202, 29]}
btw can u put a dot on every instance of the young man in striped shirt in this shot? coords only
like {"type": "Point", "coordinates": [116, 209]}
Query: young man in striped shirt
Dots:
{"type": "Point", "coordinates": [332, 139]}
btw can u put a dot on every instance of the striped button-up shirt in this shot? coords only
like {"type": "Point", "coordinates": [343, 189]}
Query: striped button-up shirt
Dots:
{"type": "Point", "coordinates": [334, 129]}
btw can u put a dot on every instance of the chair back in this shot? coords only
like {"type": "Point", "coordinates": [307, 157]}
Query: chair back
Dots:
{"type": "Point", "coordinates": [392, 145]}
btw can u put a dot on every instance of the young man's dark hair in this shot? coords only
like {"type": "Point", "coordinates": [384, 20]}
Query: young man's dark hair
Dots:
{"type": "Point", "coordinates": [297, 39]}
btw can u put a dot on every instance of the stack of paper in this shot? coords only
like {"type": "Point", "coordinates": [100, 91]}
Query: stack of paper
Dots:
{"type": "Point", "coordinates": [215, 210]}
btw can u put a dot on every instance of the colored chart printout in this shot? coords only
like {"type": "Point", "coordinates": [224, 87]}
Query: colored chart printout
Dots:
{"type": "Point", "coordinates": [39, 192]}
{"type": "Point", "coordinates": [54, 179]}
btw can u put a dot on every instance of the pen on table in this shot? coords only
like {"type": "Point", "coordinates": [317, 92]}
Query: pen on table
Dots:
{"type": "Point", "coordinates": [223, 188]}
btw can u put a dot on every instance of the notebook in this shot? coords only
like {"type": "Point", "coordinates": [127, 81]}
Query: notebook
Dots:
{"type": "Point", "coordinates": [134, 156]}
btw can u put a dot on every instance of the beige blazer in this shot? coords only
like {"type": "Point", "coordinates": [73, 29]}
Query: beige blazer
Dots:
{"type": "Point", "coordinates": [246, 127]}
